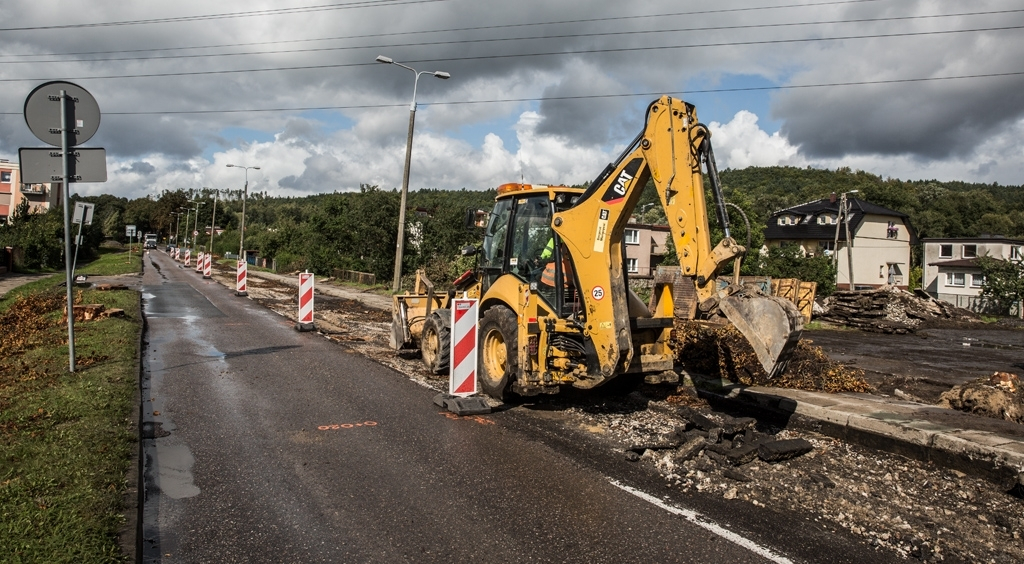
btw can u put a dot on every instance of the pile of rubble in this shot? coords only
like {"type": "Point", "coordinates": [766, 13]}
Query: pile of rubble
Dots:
{"type": "Point", "coordinates": [723, 352]}
{"type": "Point", "coordinates": [888, 310]}
{"type": "Point", "coordinates": [999, 396]}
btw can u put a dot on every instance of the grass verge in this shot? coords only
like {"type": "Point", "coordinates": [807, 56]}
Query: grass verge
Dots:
{"type": "Point", "coordinates": [112, 262]}
{"type": "Point", "coordinates": [66, 440]}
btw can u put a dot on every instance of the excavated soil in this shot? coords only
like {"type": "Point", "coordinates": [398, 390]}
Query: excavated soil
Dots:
{"type": "Point", "coordinates": [899, 506]}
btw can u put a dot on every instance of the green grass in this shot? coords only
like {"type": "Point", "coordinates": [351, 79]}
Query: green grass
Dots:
{"type": "Point", "coordinates": [111, 262]}
{"type": "Point", "coordinates": [65, 439]}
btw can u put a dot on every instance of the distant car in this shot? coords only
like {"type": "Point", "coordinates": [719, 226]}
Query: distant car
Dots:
{"type": "Point", "coordinates": [170, 248]}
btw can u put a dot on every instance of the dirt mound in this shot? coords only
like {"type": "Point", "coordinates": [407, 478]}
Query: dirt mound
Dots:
{"type": "Point", "coordinates": [889, 310]}
{"type": "Point", "coordinates": [998, 396]}
{"type": "Point", "coordinates": [722, 351]}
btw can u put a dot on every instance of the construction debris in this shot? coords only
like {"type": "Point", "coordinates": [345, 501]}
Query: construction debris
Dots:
{"type": "Point", "coordinates": [721, 351]}
{"type": "Point", "coordinates": [998, 396]}
{"type": "Point", "coordinates": [889, 310]}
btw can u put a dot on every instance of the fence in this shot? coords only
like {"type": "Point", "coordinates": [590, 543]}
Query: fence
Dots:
{"type": "Point", "coordinates": [364, 278]}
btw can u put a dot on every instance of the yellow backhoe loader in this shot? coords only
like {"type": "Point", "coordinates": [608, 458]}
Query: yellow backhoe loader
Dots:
{"type": "Point", "coordinates": [555, 305]}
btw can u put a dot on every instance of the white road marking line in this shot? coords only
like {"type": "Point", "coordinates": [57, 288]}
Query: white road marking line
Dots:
{"type": "Point", "coordinates": [705, 523]}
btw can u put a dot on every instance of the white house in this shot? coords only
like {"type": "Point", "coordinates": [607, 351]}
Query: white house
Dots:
{"type": "Point", "coordinates": [881, 239]}
{"type": "Point", "coordinates": [951, 272]}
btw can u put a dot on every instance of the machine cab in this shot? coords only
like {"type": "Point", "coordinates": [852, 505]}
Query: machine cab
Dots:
{"type": "Point", "coordinates": [519, 241]}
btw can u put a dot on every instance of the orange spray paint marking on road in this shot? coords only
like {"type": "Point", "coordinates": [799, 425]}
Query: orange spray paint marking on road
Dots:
{"type": "Point", "coordinates": [337, 426]}
{"type": "Point", "coordinates": [475, 418]}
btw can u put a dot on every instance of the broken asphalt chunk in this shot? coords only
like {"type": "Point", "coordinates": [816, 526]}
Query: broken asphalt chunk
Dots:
{"type": "Point", "coordinates": [778, 451]}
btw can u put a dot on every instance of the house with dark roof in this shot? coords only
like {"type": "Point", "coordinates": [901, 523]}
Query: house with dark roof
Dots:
{"type": "Point", "coordinates": [951, 272]}
{"type": "Point", "coordinates": [880, 239]}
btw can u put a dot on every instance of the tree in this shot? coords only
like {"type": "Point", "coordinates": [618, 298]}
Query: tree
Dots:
{"type": "Point", "coordinates": [788, 261]}
{"type": "Point", "coordinates": [1004, 283]}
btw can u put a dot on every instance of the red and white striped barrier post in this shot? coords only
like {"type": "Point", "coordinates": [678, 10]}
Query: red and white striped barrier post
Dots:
{"type": "Point", "coordinates": [462, 378]}
{"type": "Point", "coordinates": [177, 253]}
{"type": "Point", "coordinates": [199, 261]}
{"type": "Point", "coordinates": [207, 266]}
{"type": "Point", "coordinates": [305, 322]}
{"type": "Point", "coordinates": [188, 257]}
{"type": "Point", "coordinates": [240, 287]}
{"type": "Point", "coordinates": [461, 398]}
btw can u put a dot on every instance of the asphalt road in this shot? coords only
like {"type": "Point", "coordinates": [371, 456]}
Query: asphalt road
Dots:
{"type": "Point", "coordinates": [263, 444]}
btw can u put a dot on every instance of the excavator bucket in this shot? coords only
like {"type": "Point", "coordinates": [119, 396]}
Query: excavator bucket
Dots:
{"type": "Point", "coordinates": [770, 324]}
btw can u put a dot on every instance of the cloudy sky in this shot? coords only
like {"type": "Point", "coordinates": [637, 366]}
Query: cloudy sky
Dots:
{"type": "Point", "coordinates": [543, 91]}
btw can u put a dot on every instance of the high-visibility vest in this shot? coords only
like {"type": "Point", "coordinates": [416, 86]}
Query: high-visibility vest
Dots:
{"type": "Point", "coordinates": [548, 276]}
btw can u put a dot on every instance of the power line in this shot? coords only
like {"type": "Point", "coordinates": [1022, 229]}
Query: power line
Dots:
{"type": "Point", "coordinates": [233, 15]}
{"type": "Point", "coordinates": [474, 28]}
{"type": "Point", "coordinates": [578, 97]}
{"type": "Point", "coordinates": [543, 54]}
{"type": "Point", "coordinates": [526, 38]}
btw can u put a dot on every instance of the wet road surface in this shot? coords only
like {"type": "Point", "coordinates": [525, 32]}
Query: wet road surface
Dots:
{"type": "Point", "coordinates": [263, 444]}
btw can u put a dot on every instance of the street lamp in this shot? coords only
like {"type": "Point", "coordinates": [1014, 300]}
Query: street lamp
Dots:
{"type": "Point", "coordinates": [196, 229]}
{"type": "Point", "coordinates": [177, 224]}
{"type": "Point", "coordinates": [408, 159]}
{"type": "Point", "coordinates": [241, 229]}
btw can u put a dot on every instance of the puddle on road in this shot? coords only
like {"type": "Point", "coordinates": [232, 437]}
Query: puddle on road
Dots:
{"type": "Point", "coordinates": [173, 477]}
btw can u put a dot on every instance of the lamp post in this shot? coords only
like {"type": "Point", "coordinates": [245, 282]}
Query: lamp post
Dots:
{"type": "Point", "coordinates": [177, 224]}
{"type": "Point", "coordinates": [408, 159]}
{"type": "Point", "coordinates": [213, 220]}
{"type": "Point", "coordinates": [245, 195]}
{"type": "Point", "coordinates": [196, 229]}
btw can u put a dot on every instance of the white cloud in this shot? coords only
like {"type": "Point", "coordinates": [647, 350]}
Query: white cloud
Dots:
{"type": "Point", "coordinates": [742, 143]}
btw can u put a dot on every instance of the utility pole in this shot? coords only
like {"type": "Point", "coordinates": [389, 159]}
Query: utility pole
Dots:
{"type": "Point", "coordinates": [844, 205]}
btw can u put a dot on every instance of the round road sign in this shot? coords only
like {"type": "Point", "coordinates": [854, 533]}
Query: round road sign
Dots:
{"type": "Point", "coordinates": [42, 113]}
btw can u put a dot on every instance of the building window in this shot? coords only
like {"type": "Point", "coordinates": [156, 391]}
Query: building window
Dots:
{"type": "Point", "coordinates": [632, 236]}
{"type": "Point", "coordinates": [787, 220]}
{"type": "Point", "coordinates": [1015, 253]}
{"type": "Point", "coordinates": [977, 281]}
{"type": "Point", "coordinates": [892, 231]}
{"type": "Point", "coordinates": [945, 251]}
{"type": "Point", "coordinates": [5, 176]}
{"type": "Point", "coordinates": [632, 265]}
{"type": "Point", "coordinates": [970, 251]}
{"type": "Point", "coordinates": [955, 279]}
{"type": "Point", "coordinates": [826, 219]}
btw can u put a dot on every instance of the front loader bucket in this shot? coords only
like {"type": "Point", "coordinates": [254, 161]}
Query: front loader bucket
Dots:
{"type": "Point", "coordinates": [770, 324]}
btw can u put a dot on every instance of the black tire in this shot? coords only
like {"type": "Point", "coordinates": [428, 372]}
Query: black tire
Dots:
{"type": "Point", "coordinates": [436, 342]}
{"type": "Point", "coordinates": [498, 360]}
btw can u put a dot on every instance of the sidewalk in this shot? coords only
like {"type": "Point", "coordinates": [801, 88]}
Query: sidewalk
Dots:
{"type": "Point", "coordinates": [983, 446]}
{"type": "Point", "coordinates": [12, 280]}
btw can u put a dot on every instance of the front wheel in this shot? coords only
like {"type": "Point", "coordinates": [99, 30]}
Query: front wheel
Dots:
{"type": "Point", "coordinates": [498, 362]}
{"type": "Point", "coordinates": [436, 342]}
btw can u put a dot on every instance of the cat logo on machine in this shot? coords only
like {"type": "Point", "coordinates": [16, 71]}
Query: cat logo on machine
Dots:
{"type": "Point", "coordinates": [597, 292]}
{"type": "Point", "coordinates": [617, 191]}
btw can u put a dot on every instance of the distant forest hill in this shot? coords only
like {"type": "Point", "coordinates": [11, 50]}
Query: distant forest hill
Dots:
{"type": "Point", "coordinates": [357, 230]}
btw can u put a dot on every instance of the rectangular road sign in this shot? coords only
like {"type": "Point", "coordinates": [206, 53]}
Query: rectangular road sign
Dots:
{"type": "Point", "coordinates": [129, 230]}
{"type": "Point", "coordinates": [43, 165]}
{"type": "Point", "coordinates": [83, 213]}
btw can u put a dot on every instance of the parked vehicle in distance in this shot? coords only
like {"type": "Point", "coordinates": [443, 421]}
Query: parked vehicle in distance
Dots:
{"type": "Point", "coordinates": [150, 240]}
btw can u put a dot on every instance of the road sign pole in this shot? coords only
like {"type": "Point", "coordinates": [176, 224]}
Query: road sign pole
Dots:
{"type": "Point", "coordinates": [65, 128]}
{"type": "Point", "coordinates": [78, 243]}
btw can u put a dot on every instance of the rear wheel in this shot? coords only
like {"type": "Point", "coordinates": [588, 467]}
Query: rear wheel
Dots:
{"type": "Point", "coordinates": [436, 343]}
{"type": "Point", "coordinates": [499, 354]}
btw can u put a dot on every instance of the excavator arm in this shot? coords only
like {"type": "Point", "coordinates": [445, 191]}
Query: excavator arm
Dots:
{"type": "Point", "coordinates": [670, 151]}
